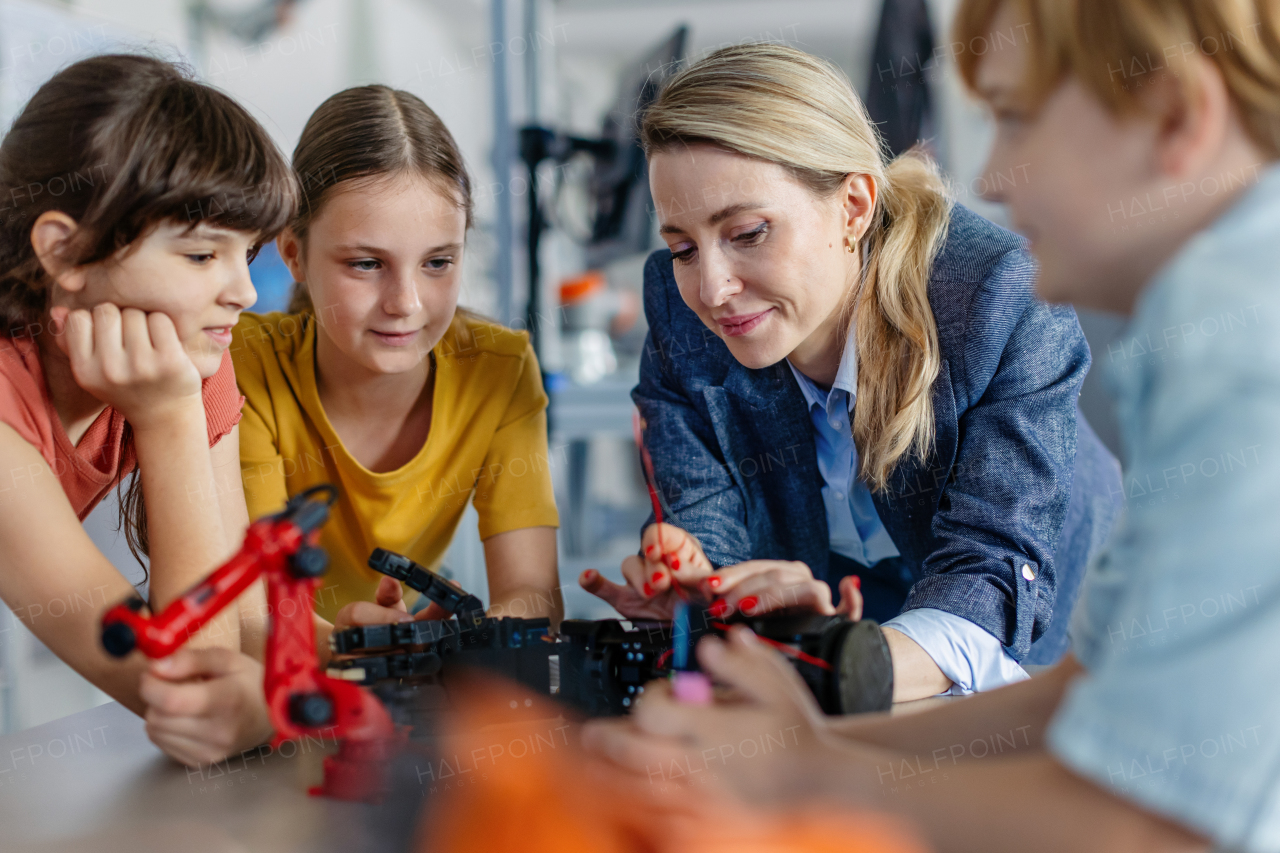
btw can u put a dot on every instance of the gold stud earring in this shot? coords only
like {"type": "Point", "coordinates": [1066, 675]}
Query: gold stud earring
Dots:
{"type": "Point", "coordinates": [848, 244]}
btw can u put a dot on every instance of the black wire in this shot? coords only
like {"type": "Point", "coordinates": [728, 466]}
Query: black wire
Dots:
{"type": "Point", "coordinates": [305, 494]}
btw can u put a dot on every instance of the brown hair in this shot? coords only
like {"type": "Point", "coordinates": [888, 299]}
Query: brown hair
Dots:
{"type": "Point", "coordinates": [122, 143]}
{"type": "Point", "coordinates": [1111, 45]}
{"type": "Point", "coordinates": [785, 106]}
{"type": "Point", "coordinates": [370, 132]}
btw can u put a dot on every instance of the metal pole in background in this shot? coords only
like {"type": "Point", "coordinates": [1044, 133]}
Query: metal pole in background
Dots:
{"type": "Point", "coordinates": [503, 154]}
{"type": "Point", "coordinates": [533, 312]}
{"type": "Point", "coordinates": [532, 79]}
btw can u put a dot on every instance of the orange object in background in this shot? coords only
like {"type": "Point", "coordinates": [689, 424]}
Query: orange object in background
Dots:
{"type": "Point", "coordinates": [558, 799]}
{"type": "Point", "coordinates": [582, 287]}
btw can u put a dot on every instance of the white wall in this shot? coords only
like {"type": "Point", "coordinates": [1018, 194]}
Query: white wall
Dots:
{"type": "Point", "coordinates": [436, 50]}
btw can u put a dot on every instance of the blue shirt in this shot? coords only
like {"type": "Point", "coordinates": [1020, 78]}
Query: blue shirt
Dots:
{"type": "Point", "coordinates": [1178, 626]}
{"type": "Point", "coordinates": [968, 655]}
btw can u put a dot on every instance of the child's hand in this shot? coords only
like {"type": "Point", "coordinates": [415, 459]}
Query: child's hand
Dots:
{"type": "Point", "coordinates": [671, 556]}
{"type": "Point", "coordinates": [130, 360]}
{"type": "Point", "coordinates": [764, 694]}
{"type": "Point", "coordinates": [205, 704]}
{"type": "Point", "coordinates": [387, 607]}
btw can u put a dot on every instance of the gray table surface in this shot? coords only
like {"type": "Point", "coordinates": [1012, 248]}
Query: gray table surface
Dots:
{"type": "Point", "coordinates": [94, 782]}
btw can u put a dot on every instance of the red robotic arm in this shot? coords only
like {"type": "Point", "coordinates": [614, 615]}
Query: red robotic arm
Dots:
{"type": "Point", "coordinates": [301, 699]}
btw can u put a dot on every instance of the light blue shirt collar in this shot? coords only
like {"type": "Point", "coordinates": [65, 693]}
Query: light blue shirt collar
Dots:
{"type": "Point", "coordinates": [846, 381]}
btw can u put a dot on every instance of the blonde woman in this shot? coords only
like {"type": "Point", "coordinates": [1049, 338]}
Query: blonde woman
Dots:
{"type": "Point", "coordinates": [850, 383]}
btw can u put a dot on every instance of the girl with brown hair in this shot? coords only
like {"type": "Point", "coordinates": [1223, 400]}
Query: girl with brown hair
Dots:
{"type": "Point", "coordinates": [376, 381]}
{"type": "Point", "coordinates": [134, 199]}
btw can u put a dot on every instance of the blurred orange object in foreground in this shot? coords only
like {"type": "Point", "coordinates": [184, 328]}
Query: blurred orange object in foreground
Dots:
{"type": "Point", "coordinates": [562, 800]}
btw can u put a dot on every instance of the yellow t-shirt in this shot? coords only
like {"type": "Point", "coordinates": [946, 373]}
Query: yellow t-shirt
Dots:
{"type": "Point", "coordinates": [487, 443]}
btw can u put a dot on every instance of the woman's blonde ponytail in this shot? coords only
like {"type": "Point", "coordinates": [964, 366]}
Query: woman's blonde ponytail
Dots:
{"type": "Point", "coordinates": [896, 335]}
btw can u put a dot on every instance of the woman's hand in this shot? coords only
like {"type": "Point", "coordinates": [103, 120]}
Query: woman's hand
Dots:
{"type": "Point", "coordinates": [130, 360]}
{"type": "Point", "coordinates": [671, 557]}
{"type": "Point", "coordinates": [205, 704]}
{"type": "Point", "coordinates": [757, 587]}
{"type": "Point", "coordinates": [767, 735]}
{"type": "Point", "coordinates": [388, 607]}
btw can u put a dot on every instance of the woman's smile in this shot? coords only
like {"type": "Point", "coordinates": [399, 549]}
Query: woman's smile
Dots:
{"type": "Point", "coordinates": [738, 325]}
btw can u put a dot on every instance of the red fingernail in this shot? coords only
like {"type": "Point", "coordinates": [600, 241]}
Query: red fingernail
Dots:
{"type": "Point", "coordinates": [648, 590]}
{"type": "Point", "coordinates": [648, 552]}
{"type": "Point", "coordinates": [748, 604]}
{"type": "Point", "coordinates": [857, 581]}
{"type": "Point", "coordinates": [590, 573]}
{"type": "Point", "coordinates": [657, 576]}
{"type": "Point", "coordinates": [714, 581]}
{"type": "Point", "coordinates": [675, 564]}
{"type": "Point", "coordinates": [719, 608]}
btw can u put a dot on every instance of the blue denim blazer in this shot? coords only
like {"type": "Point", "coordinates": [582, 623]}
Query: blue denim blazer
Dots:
{"type": "Point", "coordinates": [1015, 476]}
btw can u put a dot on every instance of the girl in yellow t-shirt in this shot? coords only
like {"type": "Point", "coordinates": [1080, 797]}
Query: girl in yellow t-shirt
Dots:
{"type": "Point", "coordinates": [377, 382]}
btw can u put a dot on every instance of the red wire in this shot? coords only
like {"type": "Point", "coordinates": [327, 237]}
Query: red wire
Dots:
{"type": "Point", "coordinates": [650, 479]}
{"type": "Point", "coordinates": [784, 648]}
{"type": "Point", "coordinates": [637, 427]}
